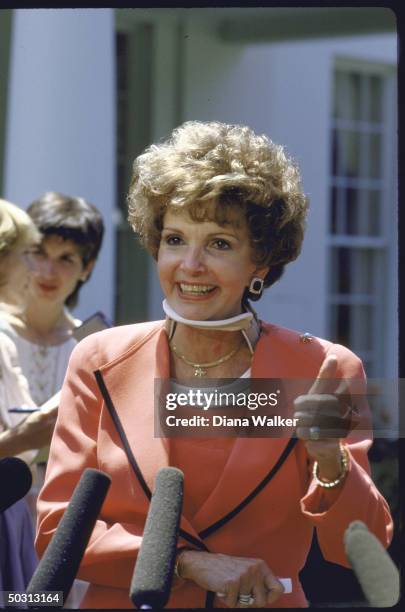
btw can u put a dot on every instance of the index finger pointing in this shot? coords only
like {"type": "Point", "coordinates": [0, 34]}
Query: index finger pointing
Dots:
{"type": "Point", "coordinates": [327, 371]}
{"type": "Point", "coordinates": [274, 586]}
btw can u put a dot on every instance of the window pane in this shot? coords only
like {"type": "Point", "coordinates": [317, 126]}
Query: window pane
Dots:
{"type": "Point", "coordinates": [376, 93]}
{"type": "Point", "coordinates": [351, 201]}
{"type": "Point", "coordinates": [347, 96]}
{"type": "Point", "coordinates": [352, 325]}
{"type": "Point", "coordinates": [354, 89]}
{"type": "Point", "coordinates": [374, 212]}
{"type": "Point", "coordinates": [333, 211]}
{"type": "Point", "coordinates": [361, 327]}
{"type": "Point", "coordinates": [340, 263]}
{"type": "Point", "coordinates": [335, 153]}
{"type": "Point", "coordinates": [354, 270]}
{"type": "Point", "coordinates": [349, 146]}
{"type": "Point", "coordinates": [374, 148]}
{"type": "Point", "coordinates": [362, 271]}
{"type": "Point", "coordinates": [341, 319]}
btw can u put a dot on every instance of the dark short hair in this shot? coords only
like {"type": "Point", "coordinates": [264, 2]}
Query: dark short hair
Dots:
{"type": "Point", "coordinates": [72, 218]}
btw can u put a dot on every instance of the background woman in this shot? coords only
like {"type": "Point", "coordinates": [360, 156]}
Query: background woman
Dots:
{"type": "Point", "coordinates": [18, 433]}
{"type": "Point", "coordinates": [222, 211]}
{"type": "Point", "coordinates": [18, 236]}
{"type": "Point", "coordinates": [72, 231]}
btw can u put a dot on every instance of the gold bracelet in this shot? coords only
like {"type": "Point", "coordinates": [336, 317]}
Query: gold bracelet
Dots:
{"type": "Point", "coordinates": [344, 458]}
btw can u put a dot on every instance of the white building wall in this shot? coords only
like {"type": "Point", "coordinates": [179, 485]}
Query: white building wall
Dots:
{"type": "Point", "coordinates": [284, 90]}
{"type": "Point", "coordinates": [61, 126]}
{"type": "Point", "coordinates": [61, 121]}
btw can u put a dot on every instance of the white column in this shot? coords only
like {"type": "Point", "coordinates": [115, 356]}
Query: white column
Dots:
{"type": "Point", "coordinates": [61, 121]}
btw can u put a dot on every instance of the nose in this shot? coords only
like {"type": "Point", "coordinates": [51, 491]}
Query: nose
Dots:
{"type": "Point", "coordinates": [193, 261]}
{"type": "Point", "coordinates": [46, 268]}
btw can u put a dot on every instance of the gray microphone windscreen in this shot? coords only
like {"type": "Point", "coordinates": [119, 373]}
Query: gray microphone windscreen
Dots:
{"type": "Point", "coordinates": [60, 563]}
{"type": "Point", "coordinates": [376, 572]}
{"type": "Point", "coordinates": [153, 574]}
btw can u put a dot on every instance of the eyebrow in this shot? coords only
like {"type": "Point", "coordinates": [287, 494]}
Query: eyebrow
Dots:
{"type": "Point", "coordinates": [179, 231]}
{"type": "Point", "coordinates": [43, 250]}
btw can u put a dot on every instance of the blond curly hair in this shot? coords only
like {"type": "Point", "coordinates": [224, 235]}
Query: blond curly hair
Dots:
{"type": "Point", "coordinates": [17, 231]}
{"type": "Point", "coordinates": [212, 169]}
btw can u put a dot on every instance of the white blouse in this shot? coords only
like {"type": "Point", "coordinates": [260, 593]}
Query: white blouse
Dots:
{"type": "Point", "coordinates": [43, 366]}
{"type": "Point", "coordinates": [14, 389]}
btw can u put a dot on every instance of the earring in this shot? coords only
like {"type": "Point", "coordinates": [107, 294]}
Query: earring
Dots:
{"type": "Point", "coordinates": [255, 288]}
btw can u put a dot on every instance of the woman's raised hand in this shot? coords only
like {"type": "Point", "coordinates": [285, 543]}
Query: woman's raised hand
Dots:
{"type": "Point", "coordinates": [324, 415]}
{"type": "Point", "coordinates": [232, 577]}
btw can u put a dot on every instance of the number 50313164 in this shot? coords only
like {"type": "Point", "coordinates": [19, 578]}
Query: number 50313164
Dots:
{"type": "Point", "coordinates": [43, 598]}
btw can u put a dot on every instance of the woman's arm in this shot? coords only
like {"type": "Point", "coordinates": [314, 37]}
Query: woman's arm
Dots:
{"type": "Point", "coordinates": [14, 389]}
{"type": "Point", "coordinates": [356, 497]}
{"type": "Point", "coordinates": [33, 432]}
{"type": "Point", "coordinates": [20, 433]}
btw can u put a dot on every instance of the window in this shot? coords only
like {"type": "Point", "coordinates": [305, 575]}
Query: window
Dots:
{"type": "Point", "coordinates": [362, 207]}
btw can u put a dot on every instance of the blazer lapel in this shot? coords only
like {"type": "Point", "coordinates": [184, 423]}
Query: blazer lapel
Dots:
{"type": "Point", "coordinates": [130, 383]}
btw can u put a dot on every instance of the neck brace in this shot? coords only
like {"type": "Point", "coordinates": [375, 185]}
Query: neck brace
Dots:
{"type": "Point", "coordinates": [246, 322]}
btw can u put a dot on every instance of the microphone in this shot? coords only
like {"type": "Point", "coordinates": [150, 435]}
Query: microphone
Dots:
{"type": "Point", "coordinates": [376, 572]}
{"type": "Point", "coordinates": [152, 577]}
{"type": "Point", "coordinates": [16, 481]}
{"type": "Point", "coordinates": [60, 563]}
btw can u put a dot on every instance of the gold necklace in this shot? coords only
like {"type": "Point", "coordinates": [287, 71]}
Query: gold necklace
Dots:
{"type": "Point", "coordinates": [199, 368]}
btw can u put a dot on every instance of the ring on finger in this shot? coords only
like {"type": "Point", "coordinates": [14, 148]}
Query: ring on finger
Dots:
{"type": "Point", "coordinates": [314, 432]}
{"type": "Point", "coordinates": [245, 599]}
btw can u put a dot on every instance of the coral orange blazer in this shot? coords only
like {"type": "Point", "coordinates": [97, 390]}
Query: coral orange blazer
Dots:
{"type": "Point", "coordinates": [111, 374]}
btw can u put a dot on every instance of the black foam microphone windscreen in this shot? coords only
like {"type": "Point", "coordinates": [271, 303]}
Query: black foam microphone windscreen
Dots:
{"type": "Point", "coordinates": [153, 574]}
{"type": "Point", "coordinates": [15, 479]}
{"type": "Point", "coordinates": [376, 572]}
{"type": "Point", "coordinates": [60, 563]}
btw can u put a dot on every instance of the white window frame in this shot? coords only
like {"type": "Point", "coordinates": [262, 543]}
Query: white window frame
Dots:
{"type": "Point", "coordinates": [383, 354]}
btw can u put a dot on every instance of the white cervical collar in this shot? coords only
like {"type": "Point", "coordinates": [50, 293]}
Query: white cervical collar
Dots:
{"type": "Point", "coordinates": [246, 322]}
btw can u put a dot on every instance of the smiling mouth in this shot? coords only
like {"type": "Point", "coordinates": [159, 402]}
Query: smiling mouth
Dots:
{"type": "Point", "coordinates": [191, 289]}
{"type": "Point", "coordinates": [47, 287]}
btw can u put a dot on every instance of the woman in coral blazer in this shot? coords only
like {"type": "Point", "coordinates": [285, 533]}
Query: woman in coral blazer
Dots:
{"type": "Point", "coordinates": [251, 504]}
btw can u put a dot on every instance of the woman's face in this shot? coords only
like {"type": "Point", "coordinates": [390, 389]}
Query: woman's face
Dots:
{"type": "Point", "coordinates": [204, 267]}
{"type": "Point", "coordinates": [14, 273]}
{"type": "Point", "coordinates": [57, 268]}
